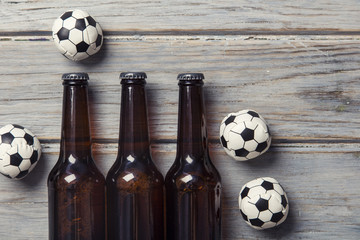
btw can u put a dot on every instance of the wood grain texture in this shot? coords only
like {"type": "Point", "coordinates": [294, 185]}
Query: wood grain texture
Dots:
{"type": "Point", "coordinates": [321, 183]}
{"type": "Point", "coordinates": [189, 15]}
{"type": "Point", "coordinates": [297, 85]}
{"type": "Point", "coordinates": [295, 62]}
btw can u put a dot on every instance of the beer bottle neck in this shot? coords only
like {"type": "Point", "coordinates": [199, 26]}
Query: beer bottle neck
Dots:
{"type": "Point", "coordinates": [192, 136]}
{"type": "Point", "coordinates": [134, 141]}
{"type": "Point", "coordinates": [75, 131]}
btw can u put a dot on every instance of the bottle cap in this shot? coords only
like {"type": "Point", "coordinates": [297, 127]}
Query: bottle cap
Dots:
{"type": "Point", "coordinates": [190, 76]}
{"type": "Point", "coordinates": [190, 79]}
{"type": "Point", "coordinates": [133, 75]}
{"type": "Point", "coordinates": [75, 78]}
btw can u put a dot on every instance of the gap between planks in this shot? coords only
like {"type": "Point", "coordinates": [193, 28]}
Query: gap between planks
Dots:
{"type": "Point", "coordinates": [275, 140]}
{"type": "Point", "coordinates": [209, 32]}
{"type": "Point", "coordinates": [114, 36]}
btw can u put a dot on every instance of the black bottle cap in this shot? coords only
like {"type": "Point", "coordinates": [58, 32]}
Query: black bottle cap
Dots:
{"type": "Point", "coordinates": [75, 78]}
{"type": "Point", "coordinates": [190, 76]}
{"type": "Point", "coordinates": [133, 77]}
{"type": "Point", "coordinates": [191, 79]}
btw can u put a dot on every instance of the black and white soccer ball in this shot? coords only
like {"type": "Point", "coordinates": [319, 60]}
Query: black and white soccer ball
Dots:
{"type": "Point", "coordinates": [263, 203]}
{"type": "Point", "coordinates": [244, 135]}
{"type": "Point", "coordinates": [20, 151]}
{"type": "Point", "coordinates": [77, 35]}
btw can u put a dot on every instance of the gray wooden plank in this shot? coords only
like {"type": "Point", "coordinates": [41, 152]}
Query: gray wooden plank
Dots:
{"type": "Point", "coordinates": [306, 88]}
{"type": "Point", "coordinates": [321, 182]}
{"type": "Point", "coordinates": [189, 15]}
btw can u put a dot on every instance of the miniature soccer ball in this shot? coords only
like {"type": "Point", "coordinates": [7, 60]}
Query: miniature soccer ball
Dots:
{"type": "Point", "coordinates": [20, 151]}
{"type": "Point", "coordinates": [77, 35]}
{"type": "Point", "coordinates": [244, 135]}
{"type": "Point", "coordinates": [263, 203]}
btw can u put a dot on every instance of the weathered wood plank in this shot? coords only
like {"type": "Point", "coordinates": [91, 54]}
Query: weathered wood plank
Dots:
{"type": "Point", "coordinates": [306, 88]}
{"type": "Point", "coordinates": [296, 62]}
{"type": "Point", "coordinates": [189, 15]}
{"type": "Point", "coordinates": [321, 182]}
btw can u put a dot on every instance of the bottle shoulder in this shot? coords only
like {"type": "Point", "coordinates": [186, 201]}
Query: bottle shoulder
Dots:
{"type": "Point", "coordinates": [202, 167]}
{"type": "Point", "coordinates": [134, 177]}
{"type": "Point", "coordinates": [143, 167]}
{"type": "Point", "coordinates": [195, 176]}
{"type": "Point", "coordinates": [187, 182]}
{"type": "Point", "coordinates": [71, 174]}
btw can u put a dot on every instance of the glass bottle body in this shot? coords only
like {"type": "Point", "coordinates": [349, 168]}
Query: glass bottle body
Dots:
{"type": "Point", "coordinates": [135, 188]}
{"type": "Point", "coordinates": [135, 202]}
{"type": "Point", "coordinates": [76, 188]}
{"type": "Point", "coordinates": [76, 203]}
{"type": "Point", "coordinates": [193, 199]}
{"type": "Point", "coordinates": [193, 185]}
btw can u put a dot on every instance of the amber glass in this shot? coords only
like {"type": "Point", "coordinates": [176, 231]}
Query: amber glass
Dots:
{"type": "Point", "coordinates": [135, 188]}
{"type": "Point", "coordinates": [193, 185]}
{"type": "Point", "coordinates": [76, 188]}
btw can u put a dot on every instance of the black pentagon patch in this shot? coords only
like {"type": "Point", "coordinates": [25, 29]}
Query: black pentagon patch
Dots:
{"type": "Point", "coordinates": [7, 138]}
{"type": "Point", "coordinates": [262, 204]}
{"type": "Point", "coordinates": [22, 174]}
{"type": "Point", "coordinates": [34, 157]}
{"type": "Point", "coordinates": [98, 40]}
{"type": "Point", "coordinates": [18, 126]}
{"type": "Point", "coordinates": [229, 120]}
{"type": "Point", "coordinates": [284, 201]}
{"type": "Point", "coordinates": [277, 217]}
{"type": "Point", "coordinates": [256, 222]}
{"type": "Point", "coordinates": [82, 47]}
{"type": "Point", "coordinates": [223, 141]}
{"type": "Point", "coordinates": [15, 159]}
{"type": "Point", "coordinates": [80, 24]}
{"type": "Point", "coordinates": [254, 114]}
{"type": "Point", "coordinates": [244, 192]}
{"type": "Point", "coordinates": [261, 147]}
{"type": "Point", "coordinates": [63, 34]}
{"type": "Point", "coordinates": [247, 134]}
{"type": "Point", "coordinates": [91, 21]}
{"type": "Point", "coordinates": [29, 139]}
{"type": "Point", "coordinates": [267, 185]}
{"type": "Point", "coordinates": [66, 15]}
{"type": "Point", "coordinates": [243, 215]}
{"type": "Point", "coordinates": [241, 152]}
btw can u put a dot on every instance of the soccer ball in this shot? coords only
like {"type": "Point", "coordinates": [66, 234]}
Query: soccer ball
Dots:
{"type": "Point", "coordinates": [244, 135]}
{"type": "Point", "coordinates": [263, 203]}
{"type": "Point", "coordinates": [77, 35]}
{"type": "Point", "coordinates": [20, 151]}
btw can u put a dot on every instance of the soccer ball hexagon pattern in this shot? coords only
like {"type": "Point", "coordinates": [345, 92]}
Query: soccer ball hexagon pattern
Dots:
{"type": "Point", "coordinates": [244, 135]}
{"type": "Point", "coordinates": [20, 151]}
{"type": "Point", "coordinates": [263, 203]}
{"type": "Point", "coordinates": [77, 35]}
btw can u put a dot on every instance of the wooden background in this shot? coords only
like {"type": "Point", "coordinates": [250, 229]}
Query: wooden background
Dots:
{"type": "Point", "coordinates": [295, 62]}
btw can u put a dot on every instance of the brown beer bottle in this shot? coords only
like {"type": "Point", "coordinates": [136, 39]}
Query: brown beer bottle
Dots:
{"type": "Point", "coordinates": [76, 188]}
{"type": "Point", "coordinates": [135, 188]}
{"type": "Point", "coordinates": [193, 185]}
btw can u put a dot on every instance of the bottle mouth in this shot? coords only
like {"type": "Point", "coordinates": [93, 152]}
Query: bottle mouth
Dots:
{"type": "Point", "coordinates": [194, 79]}
{"type": "Point", "coordinates": [75, 78]}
